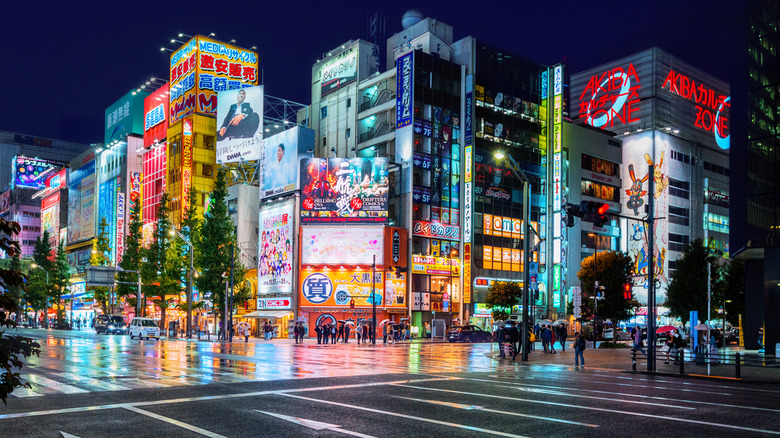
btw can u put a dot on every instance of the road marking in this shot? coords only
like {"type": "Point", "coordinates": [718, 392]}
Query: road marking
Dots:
{"type": "Point", "coordinates": [181, 424]}
{"type": "Point", "coordinates": [316, 425]}
{"type": "Point", "coordinates": [636, 414]}
{"type": "Point", "coordinates": [409, 417]}
{"type": "Point", "coordinates": [481, 408]}
{"type": "Point", "coordinates": [53, 384]}
{"type": "Point", "coordinates": [566, 394]}
{"type": "Point", "coordinates": [67, 435]}
{"type": "Point", "coordinates": [106, 386]}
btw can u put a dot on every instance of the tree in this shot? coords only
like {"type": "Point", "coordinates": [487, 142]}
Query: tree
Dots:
{"type": "Point", "coordinates": [687, 290]}
{"type": "Point", "coordinates": [501, 296]}
{"type": "Point", "coordinates": [61, 277]}
{"type": "Point", "coordinates": [40, 286]}
{"type": "Point", "coordinates": [734, 287]}
{"type": "Point", "coordinates": [16, 291]}
{"type": "Point", "coordinates": [101, 253]}
{"type": "Point", "coordinates": [611, 269]}
{"type": "Point", "coordinates": [13, 349]}
{"type": "Point", "coordinates": [212, 246]}
{"type": "Point", "coordinates": [131, 258]}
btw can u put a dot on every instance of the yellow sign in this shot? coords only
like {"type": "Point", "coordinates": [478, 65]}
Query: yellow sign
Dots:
{"type": "Point", "coordinates": [339, 287]}
{"type": "Point", "coordinates": [435, 265]}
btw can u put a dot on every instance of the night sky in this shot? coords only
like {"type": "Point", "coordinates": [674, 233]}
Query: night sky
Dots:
{"type": "Point", "coordinates": [63, 64]}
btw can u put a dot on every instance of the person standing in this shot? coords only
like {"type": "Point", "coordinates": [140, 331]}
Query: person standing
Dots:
{"type": "Point", "coordinates": [511, 336]}
{"type": "Point", "coordinates": [325, 333]}
{"type": "Point", "coordinates": [359, 332]}
{"type": "Point", "coordinates": [318, 330]}
{"type": "Point", "coordinates": [562, 335]}
{"type": "Point", "coordinates": [333, 333]}
{"type": "Point", "coordinates": [346, 333]}
{"type": "Point", "coordinates": [246, 334]}
{"type": "Point", "coordinates": [365, 333]}
{"type": "Point", "coordinates": [296, 332]}
{"type": "Point", "coordinates": [579, 348]}
{"type": "Point", "coordinates": [500, 337]}
{"type": "Point", "coordinates": [341, 332]}
{"type": "Point", "coordinates": [553, 338]}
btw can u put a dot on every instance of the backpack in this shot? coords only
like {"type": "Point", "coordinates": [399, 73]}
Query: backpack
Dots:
{"type": "Point", "coordinates": [581, 344]}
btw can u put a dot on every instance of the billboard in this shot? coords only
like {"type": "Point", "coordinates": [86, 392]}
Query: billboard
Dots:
{"type": "Point", "coordinates": [5, 201]}
{"type": "Point", "coordinates": [107, 210]}
{"type": "Point", "coordinates": [156, 116]}
{"type": "Point", "coordinates": [200, 69]}
{"type": "Point", "coordinates": [336, 288]}
{"type": "Point", "coordinates": [342, 245]}
{"type": "Point", "coordinates": [240, 134]}
{"type": "Point", "coordinates": [50, 217]}
{"type": "Point", "coordinates": [275, 249]}
{"type": "Point", "coordinates": [31, 173]}
{"type": "Point", "coordinates": [339, 73]}
{"type": "Point", "coordinates": [186, 164]}
{"type": "Point", "coordinates": [81, 203]}
{"type": "Point", "coordinates": [281, 159]}
{"type": "Point", "coordinates": [335, 190]}
{"type": "Point", "coordinates": [125, 116]}
{"type": "Point", "coordinates": [404, 90]}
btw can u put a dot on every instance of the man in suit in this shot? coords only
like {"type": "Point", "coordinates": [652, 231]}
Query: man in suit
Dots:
{"type": "Point", "coordinates": [240, 121]}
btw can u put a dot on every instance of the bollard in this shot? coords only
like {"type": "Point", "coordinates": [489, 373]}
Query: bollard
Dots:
{"type": "Point", "coordinates": [681, 355]}
{"type": "Point", "coordinates": [633, 360]}
{"type": "Point", "coordinates": [737, 364]}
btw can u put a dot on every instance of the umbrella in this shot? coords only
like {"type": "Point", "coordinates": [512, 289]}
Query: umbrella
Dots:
{"type": "Point", "coordinates": [700, 327]}
{"type": "Point", "coordinates": [384, 322]}
{"type": "Point", "coordinates": [349, 323]}
{"type": "Point", "coordinates": [341, 321]}
{"type": "Point", "coordinates": [666, 328]}
{"type": "Point", "coordinates": [545, 322]}
{"type": "Point", "coordinates": [243, 323]}
{"type": "Point", "coordinates": [560, 322]}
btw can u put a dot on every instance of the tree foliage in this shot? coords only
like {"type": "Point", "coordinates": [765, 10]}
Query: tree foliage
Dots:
{"type": "Point", "coordinates": [60, 278]}
{"type": "Point", "coordinates": [101, 256]}
{"type": "Point", "coordinates": [40, 289]}
{"type": "Point", "coordinates": [687, 290]}
{"type": "Point", "coordinates": [131, 258]}
{"type": "Point", "coordinates": [501, 296]}
{"type": "Point", "coordinates": [13, 349]}
{"type": "Point", "coordinates": [734, 289]}
{"type": "Point", "coordinates": [612, 270]}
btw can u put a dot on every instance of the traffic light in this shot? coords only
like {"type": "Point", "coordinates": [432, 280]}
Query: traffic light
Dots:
{"type": "Point", "coordinates": [571, 211]}
{"type": "Point", "coordinates": [599, 210]}
{"type": "Point", "coordinates": [627, 291]}
{"type": "Point", "coordinates": [351, 304]}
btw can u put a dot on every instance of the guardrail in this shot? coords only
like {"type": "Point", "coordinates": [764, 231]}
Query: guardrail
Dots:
{"type": "Point", "coordinates": [704, 357]}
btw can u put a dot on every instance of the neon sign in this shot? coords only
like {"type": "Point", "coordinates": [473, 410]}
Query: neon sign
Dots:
{"type": "Point", "coordinates": [611, 97]}
{"type": "Point", "coordinates": [709, 108]}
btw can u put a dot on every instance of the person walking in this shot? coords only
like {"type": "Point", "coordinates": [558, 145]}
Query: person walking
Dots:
{"type": "Point", "coordinates": [500, 337]}
{"type": "Point", "coordinates": [546, 334]}
{"type": "Point", "coordinates": [365, 333]}
{"type": "Point", "coordinates": [318, 330]}
{"type": "Point", "coordinates": [511, 336]}
{"type": "Point", "coordinates": [326, 334]}
{"type": "Point", "coordinates": [246, 334]}
{"type": "Point", "coordinates": [562, 335]}
{"type": "Point", "coordinates": [346, 333]}
{"type": "Point", "coordinates": [296, 331]}
{"type": "Point", "coordinates": [359, 333]}
{"type": "Point", "coordinates": [636, 335]}
{"type": "Point", "coordinates": [579, 348]}
{"type": "Point", "coordinates": [553, 338]}
{"type": "Point", "coordinates": [341, 333]}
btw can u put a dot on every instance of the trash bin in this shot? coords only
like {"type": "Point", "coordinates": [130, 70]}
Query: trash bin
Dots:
{"type": "Point", "coordinates": [699, 356]}
{"type": "Point", "coordinates": [173, 329]}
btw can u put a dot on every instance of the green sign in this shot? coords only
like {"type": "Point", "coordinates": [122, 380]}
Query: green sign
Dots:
{"type": "Point", "coordinates": [125, 116]}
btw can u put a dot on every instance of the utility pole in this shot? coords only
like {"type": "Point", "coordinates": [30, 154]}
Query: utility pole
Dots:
{"type": "Point", "coordinates": [373, 300]}
{"type": "Point", "coordinates": [650, 271]}
{"type": "Point", "coordinates": [230, 326]}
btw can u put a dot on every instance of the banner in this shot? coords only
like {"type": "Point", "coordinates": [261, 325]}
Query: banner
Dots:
{"type": "Point", "coordinates": [343, 245]}
{"type": "Point", "coordinates": [240, 134]}
{"type": "Point", "coordinates": [337, 287]}
{"type": "Point", "coordinates": [31, 173]}
{"type": "Point", "coordinates": [275, 249]}
{"type": "Point", "coordinates": [281, 158]}
{"type": "Point", "coordinates": [344, 190]}
{"type": "Point", "coordinates": [81, 203]}
{"type": "Point", "coordinates": [435, 265]}
{"type": "Point", "coordinates": [339, 73]}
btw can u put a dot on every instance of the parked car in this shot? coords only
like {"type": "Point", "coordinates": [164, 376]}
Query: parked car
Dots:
{"type": "Point", "coordinates": [110, 324]}
{"type": "Point", "coordinates": [621, 335]}
{"type": "Point", "coordinates": [732, 336]}
{"type": "Point", "coordinates": [469, 333]}
{"type": "Point", "coordinates": [144, 328]}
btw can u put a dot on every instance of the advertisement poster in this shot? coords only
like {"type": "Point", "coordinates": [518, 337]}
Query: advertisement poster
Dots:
{"type": "Point", "coordinates": [5, 201]}
{"type": "Point", "coordinates": [336, 287]}
{"type": "Point", "coordinates": [31, 173]}
{"type": "Point", "coordinates": [125, 116]}
{"type": "Point", "coordinates": [348, 245]}
{"type": "Point", "coordinates": [107, 210]}
{"type": "Point", "coordinates": [344, 190]}
{"type": "Point", "coordinates": [435, 265]}
{"type": "Point", "coordinates": [338, 73]}
{"type": "Point", "coordinates": [50, 217]}
{"type": "Point", "coordinates": [156, 116]}
{"type": "Point", "coordinates": [81, 203]}
{"type": "Point", "coordinates": [135, 189]}
{"type": "Point", "coordinates": [275, 250]}
{"type": "Point", "coordinates": [281, 156]}
{"type": "Point", "coordinates": [239, 124]}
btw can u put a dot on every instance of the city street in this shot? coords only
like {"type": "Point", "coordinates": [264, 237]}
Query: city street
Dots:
{"type": "Point", "coordinates": [93, 386]}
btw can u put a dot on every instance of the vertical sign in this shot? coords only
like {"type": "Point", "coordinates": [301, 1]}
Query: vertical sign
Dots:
{"type": "Point", "coordinates": [404, 99]}
{"type": "Point", "coordinates": [186, 164]}
{"type": "Point", "coordinates": [466, 273]}
{"type": "Point", "coordinates": [558, 184]}
{"type": "Point", "coordinates": [120, 226]}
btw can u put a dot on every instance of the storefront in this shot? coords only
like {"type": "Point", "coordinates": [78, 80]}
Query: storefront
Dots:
{"type": "Point", "coordinates": [281, 320]}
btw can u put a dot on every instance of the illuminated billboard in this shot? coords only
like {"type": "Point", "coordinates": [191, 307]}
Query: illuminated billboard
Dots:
{"type": "Point", "coordinates": [336, 288]}
{"type": "Point", "coordinates": [125, 116]}
{"type": "Point", "coordinates": [342, 245]}
{"type": "Point", "coordinates": [81, 202]}
{"type": "Point", "coordinates": [404, 90]}
{"type": "Point", "coordinates": [337, 190]}
{"type": "Point", "coordinates": [156, 116]}
{"type": "Point", "coordinates": [240, 132]}
{"type": "Point", "coordinates": [31, 173]}
{"type": "Point", "coordinates": [281, 158]}
{"type": "Point", "coordinates": [339, 73]}
{"type": "Point", "coordinates": [200, 69]}
{"type": "Point", "coordinates": [275, 249]}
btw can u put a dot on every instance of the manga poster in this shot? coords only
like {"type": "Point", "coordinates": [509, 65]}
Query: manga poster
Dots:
{"type": "Point", "coordinates": [275, 250]}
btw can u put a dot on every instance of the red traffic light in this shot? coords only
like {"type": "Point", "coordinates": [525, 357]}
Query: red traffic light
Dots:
{"type": "Point", "coordinates": [627, 291]}
{"type": "Point", "coordinates": [351, 304]}
{"type": "Point", "coordinates": [603, 208]}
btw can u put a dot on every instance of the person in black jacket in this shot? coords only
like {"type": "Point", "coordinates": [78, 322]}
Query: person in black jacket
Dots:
{"type": "Point", "coordinates": [512, 335]}
{"type": "Point", "coordinates": [240, 122]}
{"type": "Point", "coordinates": [318, 330]}
{"type": "Point", "coordinates": [500, 337]}
{"type": "Point", "coordinates": [346, 333]}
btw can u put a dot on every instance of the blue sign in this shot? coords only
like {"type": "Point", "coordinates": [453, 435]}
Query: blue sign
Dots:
{"type": "Point", "coordinates": [404, 90]}
{"type": "Point", "coordinates": [317, 288]}
{"type": "Point", "coordinates": [154, 117]}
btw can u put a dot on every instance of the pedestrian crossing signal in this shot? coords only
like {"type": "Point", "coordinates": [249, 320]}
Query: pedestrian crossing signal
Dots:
{"type": "Point", "coordinates": [627, 289]}
{"type": "Point", "coordinates": [351, 304]}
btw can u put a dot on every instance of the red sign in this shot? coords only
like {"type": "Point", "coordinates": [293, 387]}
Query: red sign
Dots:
{"type": "Point", "coordinates": [611, 98]}
{"type": "Point", "coordinates": [155, 116]}
{"type": "Point", "coordinates": [274, 303]}
{"type": "Point", "coordinates": [186, 165]}
{"type": "Point", "coordinates": [436, 230]}
{"type": "Point", "coordinates": [50, 201]}
{"type": "Point", "coordinates": [710, 105]}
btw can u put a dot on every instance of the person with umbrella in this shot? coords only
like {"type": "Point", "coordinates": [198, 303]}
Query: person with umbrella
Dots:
{"type": "Point", "coordinates": [318, 330]}
{"type": "Point", "coordinates": [562, 335]}
{"type": "Point", "coordinates": [346, 332]}
{"type": "Point", "coordinates": [341, 332]}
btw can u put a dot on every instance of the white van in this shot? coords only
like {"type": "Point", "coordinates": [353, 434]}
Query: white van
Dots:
{"type": "Point", "coordinates": [144, 328]}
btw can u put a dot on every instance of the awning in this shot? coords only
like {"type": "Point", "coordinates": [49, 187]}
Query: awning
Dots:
{"type": "Point", "coordinates": [266, 314]}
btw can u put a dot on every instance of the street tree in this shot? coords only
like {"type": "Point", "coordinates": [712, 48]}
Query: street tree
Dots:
{"type": "Point", "coordinates": [40, 290]}
{"type": "Point", "coordinates": [132, 257]}
{"type": "Point", "coordinates": [501, 296]}
{"type": "Point", "coordinates": [60, 278]}
{"type": "Point", "coordinates": [16, 291]}
{"type": "Point", "coordinates": [734, 287]}
{"type": "Point", "coordinates": [101, 256]}
{"type": "Point", "coordinates": [14, 349]}
{"type": "Point", "coordinates": [612, 269]}
{"type": "Point", "coordinates": [687, 289]}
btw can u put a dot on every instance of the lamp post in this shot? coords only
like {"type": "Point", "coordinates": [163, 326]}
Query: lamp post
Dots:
{"type": "Point", "coordinates": [176, 232]}
{"type": "Point", "coordinates": [526, 245]}
{"type": "Point", "coordinates": [45, 297]}
{"type": "Point", "coordinates": [373, 300]}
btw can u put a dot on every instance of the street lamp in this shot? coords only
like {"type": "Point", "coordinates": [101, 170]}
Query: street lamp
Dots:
{"type": "Point", "coordinates": [45, 297]}
{"type": "Point", "coordinates": [518, 172]}
{"type": "Point", "coordinates": [175, 232]}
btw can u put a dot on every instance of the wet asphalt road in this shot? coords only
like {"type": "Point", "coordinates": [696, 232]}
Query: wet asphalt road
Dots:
{"type": "Point", "coordinates": [96, 386]}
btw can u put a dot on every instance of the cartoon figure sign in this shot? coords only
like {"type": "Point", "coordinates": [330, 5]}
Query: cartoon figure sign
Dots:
{"type": "Point", "coordinates": [635, 193]}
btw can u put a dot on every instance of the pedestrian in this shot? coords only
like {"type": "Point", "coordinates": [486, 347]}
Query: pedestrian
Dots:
{"type": "Point", "coordinates": [562, 335]}
{"type": "Point", "coordinates": [346, 333]}
{"type": "Point", "coordinates": [246, 334]}
{"type": "Point", "coordinates": [407, 332]}
{"type": "Point", "coordinates": [318, 330]}
{"type": "Point", "coordinates": [537, 328]}
{"type": "Point", "coordinates": [500, 337]}
{"type": "Point", "coordinates": [761, 339]}
{"type": "Point", "coordinates": [636, 335]}
{"type": "Point", "coordinates": [713, 343]}
{"type": "Point", "coordinates": [365, 333]}
{"type": "Point", "coordinates": [385, 332]}
{"type": "Point", "coordinates": [511, 336]}
{"type": "Point", "coordinates": [553, 338]}
{"type": "Point", "coordinates": [297, 332]}
{"type": "Point", "coordinates": [341, 332]}
{"type": "Point", "coordinates": [579, 348]}
{"type": "Point", "coordinates": [359, 332]}
{"type": "Point", "coordinates": [546, 335]}
{"type": "Point", "coordinates": [325, 334]}
{"type": "Point", "coordinates": [333, 333]}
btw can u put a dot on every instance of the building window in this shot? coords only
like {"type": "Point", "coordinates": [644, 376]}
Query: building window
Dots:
{"type": "Point", "coordinates": [679, 215]}
{"type": "Point", "coordinates": [208, 170]}
{"type": "Point", "coordinates": [349, 102]}
{"type": "Point", "coordinates": [680, 189]}
{"type": "Point", "coordinates": [324, 112]}
{"type": "Point", "coordinates": [678, 242]}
